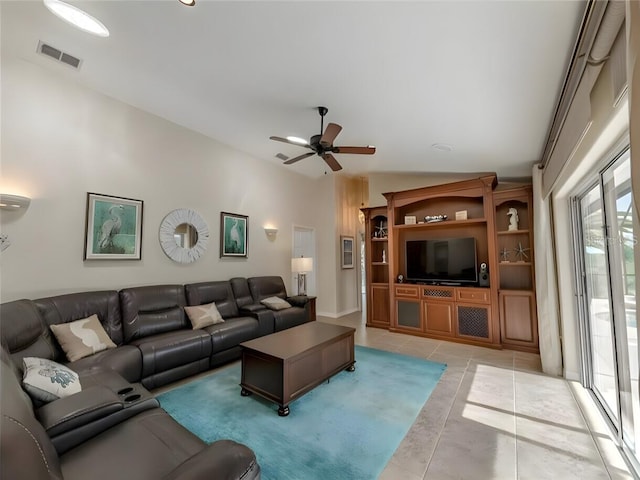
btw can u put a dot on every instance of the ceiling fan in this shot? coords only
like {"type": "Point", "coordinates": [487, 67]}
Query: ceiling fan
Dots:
{"type": "Point", "coordinates": [322, 144]}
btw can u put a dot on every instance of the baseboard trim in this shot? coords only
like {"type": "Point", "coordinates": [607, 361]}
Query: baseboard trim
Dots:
{"type": "Point", "coordinates": [575, 376]}
{"type": "Point", "coordinates": [338, 314]}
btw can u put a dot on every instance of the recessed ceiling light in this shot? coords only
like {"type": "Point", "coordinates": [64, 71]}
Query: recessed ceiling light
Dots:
{"type": "Point", "coordinates": [76, 17]}
{"type": "Point", "coordinates": [298, 140]}
{"type": "Point", "coordinates": [188, 3]}
{"type": "Point", "coordinates": [443, 147]}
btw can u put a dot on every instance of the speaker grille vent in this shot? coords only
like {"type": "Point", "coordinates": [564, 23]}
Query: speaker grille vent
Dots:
{"type": "Point", "coordinates": [427, 292]}
{"type": "Point", "coordinates": [58, 55]}
{"type": "Point", "coordinates": [473, 321]}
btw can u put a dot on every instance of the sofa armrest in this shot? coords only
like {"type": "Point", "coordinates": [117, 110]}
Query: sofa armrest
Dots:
{"type": "Point", "coordinates": [254, 307]}
{"type": "Point", "coordinates": [76, 410]}
{"type": "Point", "coordinates": [305, 301]}
{"type": "Point", "coordinates": [72, 420]}
{"type": "Point", "coordinates": [222, 459]}
{"type": "Point", "coordinates": [264, 316]}
{"type": "Point", "coordinates": [300, 300]}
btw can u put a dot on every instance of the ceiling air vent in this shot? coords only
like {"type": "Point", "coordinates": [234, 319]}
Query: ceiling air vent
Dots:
{"type": "Point", "coordinates": [282, 156]}
{"type": "Point", "coordinates": [58, 55]}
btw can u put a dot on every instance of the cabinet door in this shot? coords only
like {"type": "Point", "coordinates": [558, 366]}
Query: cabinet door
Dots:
{"type": "Point", "coordinates": [408, 314]}
{"type": "Point", "coordinates": [438, 318]}
{"type": "Point", "coordinates": [518, 325]}
{"type": "Point", "coordinates": [473, 321]}
{"type": "Point", "coordinates": [379, 305]}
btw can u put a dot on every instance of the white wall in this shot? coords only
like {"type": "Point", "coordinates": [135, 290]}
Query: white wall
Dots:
{"type": "Point", "coordinates": [323, 212]}
{"type": "Point", "coordinates": [61, 140]}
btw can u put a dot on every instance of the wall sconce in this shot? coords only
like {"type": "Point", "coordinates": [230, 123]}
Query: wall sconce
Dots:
{"type": "Point", "coordinates": [271, 232]}
{"type": "Point", "coordinates": [302, 266]}
{"type": "Point", "coordinates": [13, 202]}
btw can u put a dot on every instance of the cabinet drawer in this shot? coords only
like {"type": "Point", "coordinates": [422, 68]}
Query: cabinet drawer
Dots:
{"type": "Point", "coordinates": [431, 293]}
{"type": "Point", "coordinates": [473, 295]}
{"type": "Point", "coordinates": [408, 291]}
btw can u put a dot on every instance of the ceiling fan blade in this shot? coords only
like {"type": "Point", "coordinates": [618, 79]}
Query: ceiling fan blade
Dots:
{"type": "Point", "coordinates": [355, 150]}
{"type": "Point", "coordinates": [299, 157]}
{"type": "Point", "coordinates": [284, 140]}
{"type": "Point", "coordinates": [332, 162]}
{"type": "Point", "coordinates": [329, 135]}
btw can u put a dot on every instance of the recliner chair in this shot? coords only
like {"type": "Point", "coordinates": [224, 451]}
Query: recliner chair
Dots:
{"type": "Point", "coordinates": [302, 308]}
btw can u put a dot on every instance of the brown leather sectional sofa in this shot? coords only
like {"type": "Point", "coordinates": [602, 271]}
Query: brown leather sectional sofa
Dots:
{"type": "Point", "coordinates": [114, 428]}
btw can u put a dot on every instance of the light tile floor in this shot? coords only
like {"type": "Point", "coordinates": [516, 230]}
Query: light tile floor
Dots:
{"type": "Point", "coordinates": [494, 415]}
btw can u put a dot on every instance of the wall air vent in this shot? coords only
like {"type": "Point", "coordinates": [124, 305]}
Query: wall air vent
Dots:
{"type": "Point", "coordinates": [282, 156]}
{"type": "Point", "coordinates": [58, 55]}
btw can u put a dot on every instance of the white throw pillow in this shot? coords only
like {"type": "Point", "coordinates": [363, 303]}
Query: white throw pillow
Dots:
{"type": "Point", "coordinates": [46, 380]}
{"type": "Point", "coordinates": [202, 316]}
{"type": "Point", "coordinates": [82, 338]}
{"type": "Point", "coordinates": [275, 303]}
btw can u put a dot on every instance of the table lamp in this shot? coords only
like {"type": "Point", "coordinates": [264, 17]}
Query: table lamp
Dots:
{"type": "Point", "coordinates": [302, 266]}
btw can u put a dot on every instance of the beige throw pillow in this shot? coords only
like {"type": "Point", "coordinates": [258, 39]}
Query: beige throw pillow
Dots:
{"type": "Point", "coordinates": [202, 316]}
{"type": "Point", "coordinates": [82, 338]}
{"type": "Point", "coordinates": [275, 303]}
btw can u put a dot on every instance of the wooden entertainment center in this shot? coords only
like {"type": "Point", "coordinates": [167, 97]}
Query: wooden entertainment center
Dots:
{"type": "Point", "coordinates": [498, 310]}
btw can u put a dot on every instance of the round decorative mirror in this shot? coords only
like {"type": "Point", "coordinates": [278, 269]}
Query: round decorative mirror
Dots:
{"type": "Point", "coordinates": [184, 235]}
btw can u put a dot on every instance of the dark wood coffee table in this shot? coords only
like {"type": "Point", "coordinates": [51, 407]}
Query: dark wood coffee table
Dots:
{"type": "Point", "coordinates": [283, 366]}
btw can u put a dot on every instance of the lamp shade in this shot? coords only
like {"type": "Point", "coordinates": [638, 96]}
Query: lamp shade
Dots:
{"type": "Point", "coordinates": [302, 264]}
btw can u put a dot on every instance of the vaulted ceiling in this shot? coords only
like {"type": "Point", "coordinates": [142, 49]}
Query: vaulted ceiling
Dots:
{"type": "Point", "coordinates": [482, 77]}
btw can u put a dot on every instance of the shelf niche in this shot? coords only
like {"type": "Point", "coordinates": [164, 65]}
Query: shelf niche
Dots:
{"type": "Point", "coordinates": [516, 273]}
{"type": "Point", "coordinates": [377, 270]}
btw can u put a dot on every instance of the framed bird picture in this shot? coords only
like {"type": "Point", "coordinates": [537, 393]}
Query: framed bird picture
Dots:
{"type": "Point", "coordinates": [234, 235]}
{"type": "Point", "coordinates": [113, 228]}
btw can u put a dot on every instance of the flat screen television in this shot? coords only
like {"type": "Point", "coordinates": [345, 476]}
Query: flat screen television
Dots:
{"type": "Point", "coordinates": [449, 261]}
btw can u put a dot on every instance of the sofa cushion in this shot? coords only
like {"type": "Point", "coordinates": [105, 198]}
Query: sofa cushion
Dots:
{"type": "Point", "coordinates": [275, 303]}
{"type": "Point", "coordinates": [233, 332]}
{"type": "Point", "coordinates": [241, 292]}
{"type": "Point", "coordinates": [75, 306]}
{"type": "Point", "coordinates": [267, 286]}
{"type": "Point", "coordinates": [25, 334]}
{"type": "Point", "coordinates": [149, 311]}
{"type": "Point", "coordinates": [149, 446]}
{"type": "Point", "coordinates": [202, 316]}
{"type": "Point", "coordinates": [82, 338]}
{"type": "Point", "coordinates": [289, 317]}
{"type": "Point", "coordinates": [126, 360]}
{"type": "Point", "coordinates": [46, 380]}
{"type": "Point", "coordinates": [219, 292]}
{"type": "Point", "coordinates": [172, 349]}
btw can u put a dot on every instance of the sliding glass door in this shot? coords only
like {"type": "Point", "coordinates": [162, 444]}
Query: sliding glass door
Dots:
{"type": "Point", "coordinates": [604, 213]}
{"type": "Point", "coordinates": [598, 302]}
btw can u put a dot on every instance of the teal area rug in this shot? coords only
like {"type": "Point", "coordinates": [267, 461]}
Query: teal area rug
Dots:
{"type": "Point", "coordinates": [345, 429]}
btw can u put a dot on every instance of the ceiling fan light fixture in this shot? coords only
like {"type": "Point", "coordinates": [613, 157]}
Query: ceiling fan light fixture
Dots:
{"type": "Point", "coordinates": [298, 140]}
{"type": "Point", "coordinates": [76, 17]}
